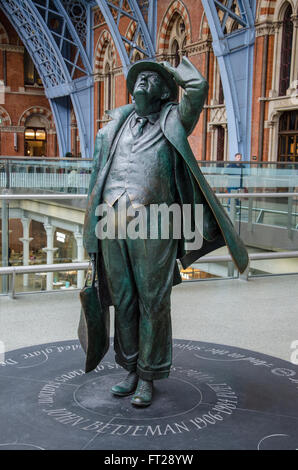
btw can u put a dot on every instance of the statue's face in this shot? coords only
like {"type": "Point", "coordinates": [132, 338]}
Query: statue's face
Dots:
{"type": "Point", "coordinates": [150, 84]}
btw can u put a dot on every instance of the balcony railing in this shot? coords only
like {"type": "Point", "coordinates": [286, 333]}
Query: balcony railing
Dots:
{"type": "Point", "coordinates": [257, 217]}
{"type": "Point", "coordinates": [51, 268]}
{"type": "Point", "coordinates": [73, 175]}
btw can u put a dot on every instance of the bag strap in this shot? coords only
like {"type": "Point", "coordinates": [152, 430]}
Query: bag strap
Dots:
{"type": "Point", "coordinates": [92, 268]}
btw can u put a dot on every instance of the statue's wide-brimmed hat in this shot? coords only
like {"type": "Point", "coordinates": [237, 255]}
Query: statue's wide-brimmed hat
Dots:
{"type": "Point", "coordinates": [150, 65]}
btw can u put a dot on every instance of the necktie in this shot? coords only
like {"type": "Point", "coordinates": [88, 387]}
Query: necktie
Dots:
{"type": "Point", "coordinates": [137, 128]}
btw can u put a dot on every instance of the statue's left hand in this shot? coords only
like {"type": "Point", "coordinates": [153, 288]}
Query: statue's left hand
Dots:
{"type": "Point", "coordinates": [185, 73]}
{"type": "Point", "coordinates": [174, 72]}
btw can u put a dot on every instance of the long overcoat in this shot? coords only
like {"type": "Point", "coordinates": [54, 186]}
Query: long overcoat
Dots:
{"type": "Point", "coordinates": [192, 188]}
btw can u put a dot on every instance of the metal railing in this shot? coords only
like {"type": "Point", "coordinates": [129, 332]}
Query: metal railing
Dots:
{"type": "Point", "coordinates": [6, 196]}
{"type": "Point", "coordinates": [82, 266]}
{"type": "Point", "coordinates": [73, 174]}
{"type": "Point", "coordinates": [11, 158]}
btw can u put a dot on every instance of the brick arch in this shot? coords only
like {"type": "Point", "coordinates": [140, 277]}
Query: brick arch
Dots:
{"type": "Point", "coordinates": [281, 6]}
{"type": "Point", "coordinates": [5, 117]}
{"type": "Point", "coordinates": [165, 29]}
{"type": "Point", "coordinates": [104, 39]}
{"type": "Point", "coordinates": [265, 9]}
{"type": "Point", "coordinates": [130, 32]}
{"type": "Point", "coordinates": [4, 39]}
{"type": "Point", "coordinates": [131, 29]}
{"type": "Point", "coordinates": [73, 118]}
{"type": "Point", "coordinates": [36, 110]}
{"type": "Point", "coordinates": [272, 9]}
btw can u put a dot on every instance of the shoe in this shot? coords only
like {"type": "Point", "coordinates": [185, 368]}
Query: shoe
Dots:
{"type": "Point", "coordinates": [127, 386]}
{"type": "Point", "coordinates": [143, 393]}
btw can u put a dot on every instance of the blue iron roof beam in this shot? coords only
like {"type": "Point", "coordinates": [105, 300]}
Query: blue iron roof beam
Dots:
{"type": "Point", "coordinates": [143, 27]}
{"type": "Point", "coordinates": [61, 13]}
{"type": "Point", "coordinates": [226, 14]}
{"type": "Point", "coordinates": [106, 8]}
{"type": "Point", "coordinates": [231, 50]}
{"type": "Point", "coordinates": [231, 13]}
{"type": "Point", "coordinates": [133, 45]}
{"type": "Point", "coordinates": [57, 71]}
{"type": "Point", "coordinates": [63, 38]}
{"type": "Point", "coordinates": [121, 12]}
{"type": "Point", "coordinates": [20, 12]}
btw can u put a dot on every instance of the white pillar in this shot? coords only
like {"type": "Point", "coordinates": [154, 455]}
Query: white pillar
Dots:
{"type": "Point", "coordinates": [211, 129]}
{"type": "Point", "coordinates": [294, 61]}
{"type": "Point", "coordinates": [50, 230]}
{"type": "Point", "coordinates": [80, 257]}
{"type": "Point", "coordinates": [276, 58]}
{"type": "Point", "coordinates": [226, 148]}
{"type": "Point", "coordinates": [26, 242]}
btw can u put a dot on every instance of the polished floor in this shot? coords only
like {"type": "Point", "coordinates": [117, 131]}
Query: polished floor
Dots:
{"type": "Point", "coordinates": [259, 315]}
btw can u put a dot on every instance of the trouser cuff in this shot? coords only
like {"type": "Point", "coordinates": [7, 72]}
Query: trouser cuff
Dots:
{"type": "Point", "coordinates": [129, 366]}
{"type": "Point", "coordinates": [152, 374]}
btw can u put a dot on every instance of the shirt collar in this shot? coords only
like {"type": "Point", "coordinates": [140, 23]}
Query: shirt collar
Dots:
{"type": "Point", "coordinates": [152, 118]}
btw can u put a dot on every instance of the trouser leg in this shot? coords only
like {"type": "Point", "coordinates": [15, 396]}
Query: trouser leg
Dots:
{"type": "Point", "coordinates": [140, 278]}
{"type": "Point", "coordinates": [153, 264]}
{"type": "Point", "coordinates": [124, 297]}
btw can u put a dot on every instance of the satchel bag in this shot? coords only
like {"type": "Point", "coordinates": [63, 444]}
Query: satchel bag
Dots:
{"type": "Point", "coordinates": [94, 325]}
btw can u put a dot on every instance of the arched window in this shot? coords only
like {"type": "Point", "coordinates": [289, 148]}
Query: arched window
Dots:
{"type": "Point", "coordinates": [220, 93]}
{"type": "Point", "coordinates": [35, 136]}
{"type": "Point", "coordinates": [177, 39]}
{"type": "Point", "coordinates": [220, 150]}
{"type": "Point", "coordinates": [108, 79]}
{"type": "Point", "coordinates": [108, 87]}
{"type": "Point", "coordinates": [175, 53]}
{"type": "Point", "coordinates": [136, 54]}
{"type": "Point", "coordinates": [31, 76]}
{"type": "Point", "coordinates": [137, 57]}
{"type": "Point", "coordinates": [288, 137]}
{"type": "Point", "coordinates": [286, 52]}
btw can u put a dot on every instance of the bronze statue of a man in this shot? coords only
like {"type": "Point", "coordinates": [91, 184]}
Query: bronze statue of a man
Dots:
{"type": "Point", "coordinates": [142, 157]}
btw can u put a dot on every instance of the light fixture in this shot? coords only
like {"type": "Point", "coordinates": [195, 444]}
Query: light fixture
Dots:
{"type": "Point", "coordinates": [60, 237]}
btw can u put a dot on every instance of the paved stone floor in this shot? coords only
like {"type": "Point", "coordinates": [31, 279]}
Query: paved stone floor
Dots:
{"type": "Point", "coordinates": [259, 315]}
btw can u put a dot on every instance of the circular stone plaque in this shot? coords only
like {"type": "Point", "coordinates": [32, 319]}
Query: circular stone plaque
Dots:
{"type": "Point", "coordinates": [217, 397]}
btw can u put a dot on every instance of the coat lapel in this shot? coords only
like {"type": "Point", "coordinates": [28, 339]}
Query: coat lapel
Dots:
{"type": "Point", "coordinates": [110, 131]}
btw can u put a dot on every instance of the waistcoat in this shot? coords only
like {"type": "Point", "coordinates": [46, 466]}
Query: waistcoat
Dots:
{"type": "Point", "coordinates": [143, 166]}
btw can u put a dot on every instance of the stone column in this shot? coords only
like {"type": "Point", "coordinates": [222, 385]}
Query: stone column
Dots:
{"type": "Point", "coordinates": [50, 230]}
{"type": "Point", "coordinates": [5, 243]}
{"type": "Point", "coordinates": [277, 28]}
{"type": "Point", "coordinates": [26, 242]}
{"type": "Point", "coordinates": [226, 149]}
{"type": "Point", "coordinates": [211, 129]}
{"type": "Point", "coordinates": [294, 64]}
{"type": "Point", "coordinates": [273, 137]}
{"type": "Point", "coordinates": [80, 257]}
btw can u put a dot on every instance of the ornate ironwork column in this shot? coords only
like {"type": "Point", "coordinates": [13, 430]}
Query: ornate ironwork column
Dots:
{"type": "Point", "coordinates": [143, 14]}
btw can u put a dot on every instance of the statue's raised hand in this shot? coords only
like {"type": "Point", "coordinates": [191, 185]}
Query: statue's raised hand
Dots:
{"type": "Point", "coordinates": [185, 73]}
{"type": "Point", "coordinates": [175, 72]}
